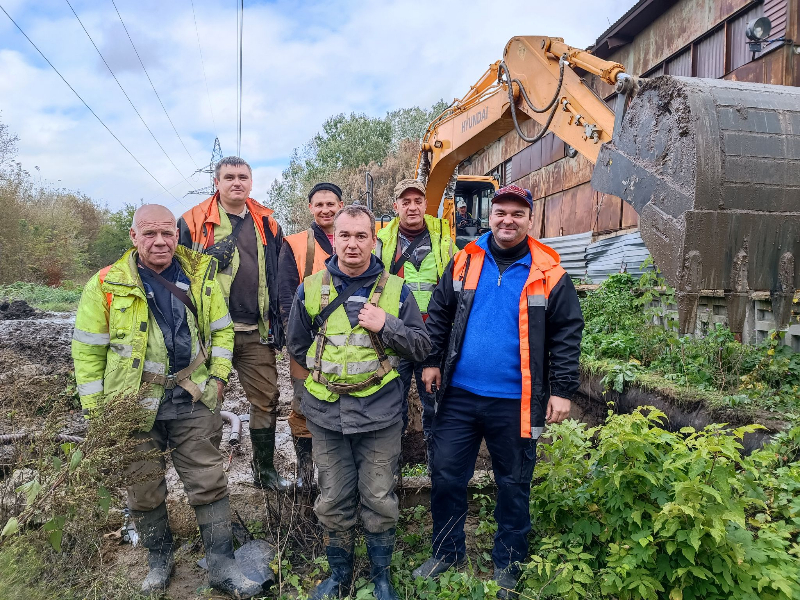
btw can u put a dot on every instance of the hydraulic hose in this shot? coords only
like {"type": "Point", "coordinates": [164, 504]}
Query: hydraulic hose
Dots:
{"type": "Point", "coordinates": [552, 106]}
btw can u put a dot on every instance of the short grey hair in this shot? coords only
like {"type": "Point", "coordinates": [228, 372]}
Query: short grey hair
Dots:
{"type": "Point", "coordinates": [231, 161]}
{"type": "Point", "coordinates": [356, 210]}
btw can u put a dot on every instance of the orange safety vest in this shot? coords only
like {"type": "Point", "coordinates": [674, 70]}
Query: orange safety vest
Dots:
{"type": "Point", "coordinates": [201, 220]}
{"type": "Point", "coordinates": [301, 243]}
{"type": "Point", "coordinates": [544, 274]}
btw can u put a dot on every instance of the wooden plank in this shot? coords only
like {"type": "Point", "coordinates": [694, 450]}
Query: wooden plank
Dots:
{"type": "Point", "coordinates": [537, 229]}
{"type": "Point", "coordinates": [552, 215]}
{"type": "Point", "coordinates": [630, 218]}
{"type": "Point", "coordinates": [608, 212]}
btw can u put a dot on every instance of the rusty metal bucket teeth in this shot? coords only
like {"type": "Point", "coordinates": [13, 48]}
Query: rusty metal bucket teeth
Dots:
{"type": "Point", "coordinates": [713, 169]}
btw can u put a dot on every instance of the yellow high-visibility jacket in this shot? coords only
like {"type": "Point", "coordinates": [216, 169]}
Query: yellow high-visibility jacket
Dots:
{"type": "Point", "coordinates": [117, 338]}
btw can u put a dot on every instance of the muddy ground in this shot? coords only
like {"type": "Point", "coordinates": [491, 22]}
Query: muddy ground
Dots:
{"type": "Point", "coordinates": [36, 379]}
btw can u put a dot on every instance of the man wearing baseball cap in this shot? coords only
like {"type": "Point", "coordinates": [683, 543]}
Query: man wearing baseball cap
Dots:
{"type": "Point", "coordinates": [505, 327]}
{"type": "Point", "coordinates": [303, 254]}
{"type": "Point", "coordinates": [416, 247]}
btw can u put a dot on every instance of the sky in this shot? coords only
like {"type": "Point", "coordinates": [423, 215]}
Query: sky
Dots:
{"type": "Point", "coordinates": [303, 62]}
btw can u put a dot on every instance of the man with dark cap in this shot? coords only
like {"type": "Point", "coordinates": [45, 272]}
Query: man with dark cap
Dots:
{"type": "Point", "coordinates": [304, 254]}
{"type": "Point", "coordinates": [509, 289]}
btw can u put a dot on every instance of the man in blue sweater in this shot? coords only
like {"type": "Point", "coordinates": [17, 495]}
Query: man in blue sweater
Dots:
{"type": "Point", "coordinates": [505, 327]}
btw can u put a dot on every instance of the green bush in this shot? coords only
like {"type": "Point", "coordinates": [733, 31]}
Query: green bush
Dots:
{"type": "Point", "coordinates": [629, 333]}
{"type": "Point", "coordinates": [646, 513]}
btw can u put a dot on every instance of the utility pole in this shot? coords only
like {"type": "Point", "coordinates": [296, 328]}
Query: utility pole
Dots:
{"type": "Point", "coordinates": [216, 156]}
{"type": "Point", "coordinates": [239, 39]}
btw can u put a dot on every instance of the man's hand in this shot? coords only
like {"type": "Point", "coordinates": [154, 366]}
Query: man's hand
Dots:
{"type": "Point", "coordinates": [372, 318]}
{"type": "Point", "coordinates": [220, 390]}
{"type": "Point", "coordinates": [431, 376]}
{"type": "Point", "coordinates": [557, 408]}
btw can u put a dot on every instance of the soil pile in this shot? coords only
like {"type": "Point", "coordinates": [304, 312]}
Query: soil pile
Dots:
{"type": "Point", "coordinates": [17, 310]}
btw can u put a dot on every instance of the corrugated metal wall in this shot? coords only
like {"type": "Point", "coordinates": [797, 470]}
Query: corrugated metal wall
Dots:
{"type": "Point", "coordinates": [710, 55]}
{"type": "Point", "coordinates": [680, 65]}
{"type": "Point", "coordinates": [614, 255]}
{"type": "Point", "coordinates": [740, 53]}
{"type": "Point", "coordinates": [572, 250]}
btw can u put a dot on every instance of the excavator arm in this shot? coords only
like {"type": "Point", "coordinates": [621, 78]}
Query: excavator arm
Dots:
{"type": "Point", "coordinates": [536, 73]}
{"type": "Point", "coordinates": [709, 165]}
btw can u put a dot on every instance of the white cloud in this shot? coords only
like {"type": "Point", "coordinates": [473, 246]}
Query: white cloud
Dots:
{"type": "Point", "coordinates": [302, 64]}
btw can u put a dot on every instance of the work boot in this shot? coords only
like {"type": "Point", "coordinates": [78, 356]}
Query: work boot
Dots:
{"type": "Point", "coordinates": [433, 567]}
{"type": "Point", "coordinates": [305, 464]}
{"type": "Point", "coordinates": [379, 548]}
{"type": "Point", "coordinates": [507, 580]}
{"type": "Point", "coordinates": [340, 559]}
{"type": "Point", "coordinates": [156, 536]}
{"type": "Point", "coordinates": [264, 474]}
{"type": "Point", "coordinates": [223, 573]}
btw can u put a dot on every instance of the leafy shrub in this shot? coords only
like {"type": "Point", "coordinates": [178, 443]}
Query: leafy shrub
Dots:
{"type": "Point", "coordinates": [646, 513]}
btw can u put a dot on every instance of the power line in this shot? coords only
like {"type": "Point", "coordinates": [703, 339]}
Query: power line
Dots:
{"type": "Point", "coordinates": [152, 85]}
{"type": "Point", "coordinates": [87, 106]}
{"type": "Point", "coordinates": [202, 62]}
{"type": "Point", "coordinates": [240, 38]}
{"type": "Point", "coordinates": [126, 94]}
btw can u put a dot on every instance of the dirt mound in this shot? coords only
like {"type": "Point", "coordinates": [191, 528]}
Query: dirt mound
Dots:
{"type": "Point", "coordinates": [18, 310]}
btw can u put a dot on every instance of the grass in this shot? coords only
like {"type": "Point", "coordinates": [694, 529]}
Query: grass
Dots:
{"type": "Point", "coordinates": [60, 299]}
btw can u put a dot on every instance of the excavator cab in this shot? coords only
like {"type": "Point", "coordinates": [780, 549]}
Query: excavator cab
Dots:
{"type": "Point", "coordinates": [476, 192]}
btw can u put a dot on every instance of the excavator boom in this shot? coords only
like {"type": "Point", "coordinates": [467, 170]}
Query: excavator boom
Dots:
{"type": "Point", "coordinates": [712, 167]}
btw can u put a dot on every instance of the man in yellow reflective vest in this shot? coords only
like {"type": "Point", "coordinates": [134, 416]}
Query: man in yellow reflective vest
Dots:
{"type": "Point", "coordinates": [154, 328]}
{"type": "Point", "coordinates": [418, 248]}
{"type": "Point", "coordinates": [303, 254]}
{"type": "Point", "coordinates": [350, 325]}
{"type": "Point", "coordinates": [246, 241]}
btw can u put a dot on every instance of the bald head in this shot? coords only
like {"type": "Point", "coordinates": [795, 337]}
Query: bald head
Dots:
{"type": "Point", "coordinates": [152, 213]}
{"type": "Point", "coordinates": [154, 235]}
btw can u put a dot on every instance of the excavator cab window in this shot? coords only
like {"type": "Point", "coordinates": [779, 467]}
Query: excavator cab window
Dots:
{"type": "Point", "coordinates": [477, 196]}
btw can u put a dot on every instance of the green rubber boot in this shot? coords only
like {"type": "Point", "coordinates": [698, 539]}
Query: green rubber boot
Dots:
{"type": "Point", "coordinates": [265, 475]}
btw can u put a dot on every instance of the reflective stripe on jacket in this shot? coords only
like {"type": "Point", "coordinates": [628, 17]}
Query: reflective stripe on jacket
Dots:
{"type": "Point", "coordinates": [421, 282]}
{"type": "Point", "coordinates": [205, 224]}
{"type": "Point", "coordinates": [348, 355]}
{"type": "Point", "coordinates": [116, 337]}
{"type": "Point", "coordinates": [550, 326]}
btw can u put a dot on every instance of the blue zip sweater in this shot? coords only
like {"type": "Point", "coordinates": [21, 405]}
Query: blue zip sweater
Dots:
{"type": "Point", "coordinates": [490, 361]}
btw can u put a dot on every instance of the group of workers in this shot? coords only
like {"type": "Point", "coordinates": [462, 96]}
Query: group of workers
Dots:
{"type": "Point", "coordinates": [491, 334]}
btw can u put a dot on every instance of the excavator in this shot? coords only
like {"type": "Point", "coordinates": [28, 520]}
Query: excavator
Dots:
{"type": "Point", "coordinates": [712, 167]}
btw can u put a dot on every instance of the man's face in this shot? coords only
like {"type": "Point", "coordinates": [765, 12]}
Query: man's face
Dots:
{"type": "Point", "coordinates": [462, 210]}
{"type": "Point", "coordinates": [354, 241]}
{"type": "Point", "coordinates": [510, 221]}
{"type": "Point", "coordinates": [410, 207]}
{"type": "Point", "coordinates": [323, 206]}
{"type": "Point", "coordinates": [155, 235]}
{"type": "Point", "coordinates": [234, 183]}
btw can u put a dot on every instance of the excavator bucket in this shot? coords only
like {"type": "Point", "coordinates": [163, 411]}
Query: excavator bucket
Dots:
{"type": "Point", "coordinates": [713, 169]}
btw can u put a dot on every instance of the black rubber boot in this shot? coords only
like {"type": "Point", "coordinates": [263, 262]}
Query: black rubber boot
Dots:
{"type": "Point", "coordinates": [264, 474]}
{"type": "Point", "coordinates": [340, 559]}
{"type": "Point", "coordinates": [305, 463]}
{"type": "Point", "coordinates": [433, 567]}
{"type": "Point", "coordinates": [223, 573]}
{"type": "Point", "coordinates": [507, 580]}
{"type": "Point", "coordinates": [156, 536]}
{"type": "Point", "coordinates": [379, 548]}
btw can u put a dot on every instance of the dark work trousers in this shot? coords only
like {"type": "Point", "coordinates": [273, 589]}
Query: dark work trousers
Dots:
{"type": "Point", "coordinates": [462, 421]}
{"type": "Point", "coordinates": [356, 467]}
{"type": "Point", "coordinates": [406, 368]}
